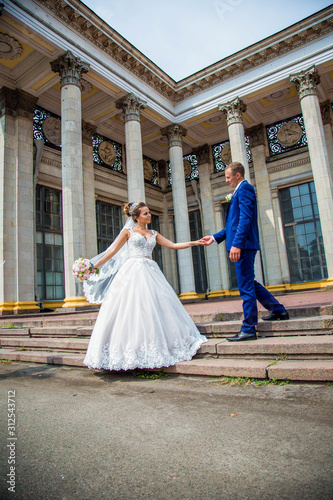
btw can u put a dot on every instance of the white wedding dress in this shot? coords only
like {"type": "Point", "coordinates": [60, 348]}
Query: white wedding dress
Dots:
{"type": "Point", "coordinates": [141, 322]}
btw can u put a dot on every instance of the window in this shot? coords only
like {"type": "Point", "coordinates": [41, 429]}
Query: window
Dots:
{"type": "Point", "coordinates": [198, 253]}
{"type": "Point", "coordinates": [157, 252]}
{"type": "Point", "coordinates": [109, 224]}
{"type": "Point", "coordinates": [302, 231]}
{"type": "Point", "coordinates": [50, 260]}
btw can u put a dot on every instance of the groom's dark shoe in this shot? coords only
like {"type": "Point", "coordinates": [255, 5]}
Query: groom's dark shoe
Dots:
{"type": "Point", "coordinates": [242, 336]}
{"type": "Point", "coordinates": [275, 316]}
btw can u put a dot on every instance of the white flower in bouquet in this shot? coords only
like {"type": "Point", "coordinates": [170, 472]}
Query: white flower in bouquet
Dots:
{"type": "Point", "coordinates": [83, 269]}
{"type": "Point", "coordinates": [228, 197]}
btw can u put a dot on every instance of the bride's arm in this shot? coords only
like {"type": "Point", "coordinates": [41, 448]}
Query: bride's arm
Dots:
{"type": "Point", "coordinates": [176, 246]}
{"type": "Point", "coordinates": [123, 237]}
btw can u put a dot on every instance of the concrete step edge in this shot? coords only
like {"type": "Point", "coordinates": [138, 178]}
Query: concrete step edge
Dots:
{"type": "Point", "coordinates": [305, 370]}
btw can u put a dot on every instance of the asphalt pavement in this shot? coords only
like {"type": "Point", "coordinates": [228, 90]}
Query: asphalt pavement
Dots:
{"type": "Point", "coordinates": [86, 434]}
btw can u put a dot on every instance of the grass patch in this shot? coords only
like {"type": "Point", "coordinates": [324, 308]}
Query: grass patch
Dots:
{"type": "Point", "coordinates": [249, 381]}
{"type": "Point", "coordinates": [8, 326]}
{"type": "Point", "coordinates": [3, 361]}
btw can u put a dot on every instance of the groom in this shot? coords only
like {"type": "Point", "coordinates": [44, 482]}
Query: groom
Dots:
{"type": "Point", "coordinates": [241, 233]}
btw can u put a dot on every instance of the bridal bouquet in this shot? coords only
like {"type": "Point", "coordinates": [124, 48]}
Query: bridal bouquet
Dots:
{"type": "Point", "coordinates": [83, 269]}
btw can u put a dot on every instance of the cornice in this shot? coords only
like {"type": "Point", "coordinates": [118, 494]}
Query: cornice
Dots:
{"type": "Point", "coordinates": [84, 21]}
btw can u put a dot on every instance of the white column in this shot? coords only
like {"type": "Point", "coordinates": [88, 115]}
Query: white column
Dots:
{"type": "Point", "coordinates": [233, 111]}
{"type": "Point", "coordinates": [327, 115]}
{"type": "Point", "coordinates": [208, 219]}
{"type": "Point", "coordinates": [281, 242]}
{"type": "Point", "coordinates": [185, 264]}
{"type": "Point", "coordinates": [305, 83]}
{"type": "Point", "coordinates": [17, 291]}
{"type": "Point", "coordinates": [268, 239]}
{"type": "Point", "coordinates": [222, 250]}
{"type": "Point", "coordinates": [89, 190]}
{"type": "Point", "coordinates": [70, 69]}
{"type": "Point", "coordinates": [131, 106]}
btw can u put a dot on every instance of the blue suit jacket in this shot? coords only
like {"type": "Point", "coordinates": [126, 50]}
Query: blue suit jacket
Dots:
{"type": "Point", "coordinates": [241, 229]}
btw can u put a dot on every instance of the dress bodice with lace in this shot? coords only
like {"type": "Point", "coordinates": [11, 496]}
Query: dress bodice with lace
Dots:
{"type": "Point", "coordinates": [141, 323]}
{"type": "Point", "coordinates": [140, 246]}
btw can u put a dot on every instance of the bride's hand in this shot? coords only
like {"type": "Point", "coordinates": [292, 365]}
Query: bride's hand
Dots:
{"type": "Point", "coordinates": [198, 243]}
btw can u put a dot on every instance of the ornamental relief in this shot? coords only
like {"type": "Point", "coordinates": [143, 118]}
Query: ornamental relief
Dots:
{"type": "Point", "coordinates": [187, 168]}
{"type": "Point", "coordinates": [148, 170]}
{"type": "Point", "coordinates": [86, 87]}
{"type": "Point", "coordinates": [107, 152]}
{"type": "Point", "coordinates": [226, 154]}
{"type": "Point", "coordinates": [10, 48]}
{"type": "Point", "coordinates": [52, 130]}
{"type": "Point", "coordinates": [289, 134]}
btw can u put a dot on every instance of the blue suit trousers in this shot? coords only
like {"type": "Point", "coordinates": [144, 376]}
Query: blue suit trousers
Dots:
{"type": "Point", "coordinates": [251, 291]}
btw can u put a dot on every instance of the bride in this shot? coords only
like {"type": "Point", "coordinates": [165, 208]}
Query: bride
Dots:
{"type": "Point", "coordinates": [141, 322]}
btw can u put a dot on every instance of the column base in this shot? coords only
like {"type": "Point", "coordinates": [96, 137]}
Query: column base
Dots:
{"type": "Point", "coordinates": [20, 307]}
{"type": "Point", "coordinates": [75, 303]}
{"type": "Point", "coordinates": [222, 293]}
{"type": "Point", "coordinates": [188, 296]}
{"type": "Point", "coordinates": [6, 308]}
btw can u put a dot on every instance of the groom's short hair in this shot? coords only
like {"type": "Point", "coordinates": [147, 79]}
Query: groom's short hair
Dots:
{"type": "Point", "coordinates": [235, 167]}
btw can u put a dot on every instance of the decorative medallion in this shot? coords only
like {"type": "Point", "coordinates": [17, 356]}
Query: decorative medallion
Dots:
{"type": "Point", "coordinates": [9, 47]}
{"type": "Point", "coordinates": [107, 153]}
{"type": "Point", "coordinates": [226, 154]}
{"type": "Point", "coordinates": [289, 134]}
{"type": "Point", "coordinates": [277, 96]}
{"type": "Point", "coordinates": [52, 130]}
{"type": "Point", "coordinates": [148, 170]}
{"type": "Point", "coordinates": [187, 168]}
{"type": "Point", "coordinates": [86, 87]}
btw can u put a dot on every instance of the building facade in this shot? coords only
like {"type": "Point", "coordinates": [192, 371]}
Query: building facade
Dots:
{"type": "Point", "coordinates": [89, 123]}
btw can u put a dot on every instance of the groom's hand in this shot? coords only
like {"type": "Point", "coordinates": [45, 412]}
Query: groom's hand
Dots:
{"type": "Point", "coordinates": [235, 254]}
{"type": "Point", "coordinates": [207, 240]}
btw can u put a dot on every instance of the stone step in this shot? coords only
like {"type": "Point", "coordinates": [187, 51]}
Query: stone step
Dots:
{"type": "Point", "coordinates": [306, 347]}
{"type": "Point", "coordinates": [322, 325]}
{"type": "Point", "coordinates": [286, 347]}
{"type": "Point", "coordinates": [53, 358]}
{"type": "Point", "coordinates": [88, 318]}
{"type": "Point", "coordinates": [62, 320]}
{"type": "Point", "coordinates": [296, 312]}
{"type": "Point", "coordinates": [61, 331]}
{"type": "Point", "coordinates": [14, 332]}
{"type": "Point", "coordinates": [49, 344]}
{"type": "Point", "coordinates": [301, 370]}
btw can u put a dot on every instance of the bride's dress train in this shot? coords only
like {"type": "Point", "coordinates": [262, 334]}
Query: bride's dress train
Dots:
{"type": "Point", "coordinates": [141, 323]}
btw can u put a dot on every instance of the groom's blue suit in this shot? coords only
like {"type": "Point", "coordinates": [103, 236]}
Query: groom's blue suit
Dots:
{"type": "Point", "coordinates": [241, 231]}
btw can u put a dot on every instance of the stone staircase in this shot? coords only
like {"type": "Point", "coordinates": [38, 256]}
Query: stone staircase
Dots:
{"type": "Point", "coordinates": [300, 349]}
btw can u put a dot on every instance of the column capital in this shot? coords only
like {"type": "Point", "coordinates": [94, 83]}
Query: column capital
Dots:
{"type": "Point", "coordinates": [174, 133]}
{"type": "Point", "coordinates": [87, 132]}
{"type": "Point", "coordinates": [306, 82]}
{"type": "Point", "coordinates": [203, 154]}
{"type": "Point", "coordinates": [131, 106]}
{"type": "Point", "coordinates": [70, 68]}
{"type": "Point", "coordinates": [256, 135]}
{"type": "Point", "coordinates": [233, 110]}
{"type": "Point", "coordinates": [16, 102]}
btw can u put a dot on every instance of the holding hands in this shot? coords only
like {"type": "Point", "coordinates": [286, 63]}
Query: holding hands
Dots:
{"type": "Point", "coordinates": [234, 255]}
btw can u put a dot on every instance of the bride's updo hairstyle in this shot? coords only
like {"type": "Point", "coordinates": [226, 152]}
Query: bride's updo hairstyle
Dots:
{"type": "Point", "coordinates": [133, 209]}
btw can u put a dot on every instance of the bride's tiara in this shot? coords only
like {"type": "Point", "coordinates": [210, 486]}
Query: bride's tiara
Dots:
{"type": "Point", "coordinates": [133, 206]}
